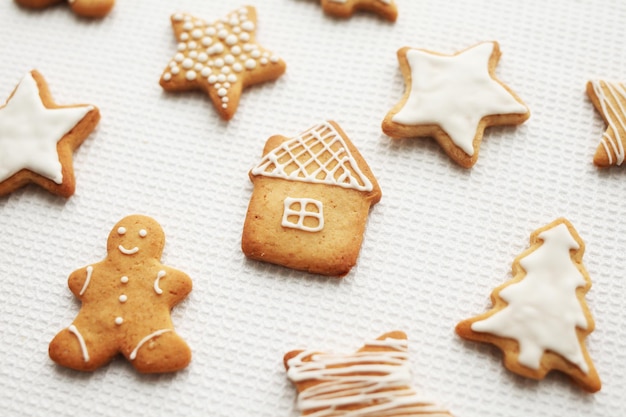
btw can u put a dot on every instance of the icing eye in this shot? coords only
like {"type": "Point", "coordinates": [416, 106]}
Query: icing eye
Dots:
{"type": "Point", "coordinates": [143, 233]}
{"type": "Point", "coordinates": [121, 230]}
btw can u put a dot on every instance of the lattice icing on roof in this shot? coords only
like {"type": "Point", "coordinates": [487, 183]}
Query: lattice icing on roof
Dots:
{"type": "Point", "coordinates": [319, 155]}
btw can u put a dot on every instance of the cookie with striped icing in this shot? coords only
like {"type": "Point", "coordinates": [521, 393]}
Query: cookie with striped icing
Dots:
{"type": "Point", "coordinates": [609, 98]}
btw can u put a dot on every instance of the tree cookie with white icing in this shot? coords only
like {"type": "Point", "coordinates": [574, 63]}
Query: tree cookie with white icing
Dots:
{"type": "Point", "coordinates": [221, 58]}
{"type": "Point", "coordinates": [38, 137]}
{"type": "Point", "coordinates": [453, 98]}
{"type": "Point", "coordinates": [540, 319]}
{"type": "Point", "coordinates": [609, 98]}
{"type": "Point", "coordinates": [311, 199]}
{"type": "Point", "coordinates": [346, 8]}
{"type": "Point", "coordinates": [126, 303]}
{"type": "Point", "coordinates": [84, 8]}
{"type": "Point", "coordinates": [373, 381]}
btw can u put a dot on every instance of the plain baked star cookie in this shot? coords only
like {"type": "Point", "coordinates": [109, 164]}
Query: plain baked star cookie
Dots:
{"type": "Point", "coordinates": [540, 318]}
{"type": "Point", "coordinates": [37, 138]}
{"type": "Point", "coordinates": [345, 8]}
{"type": "Point", "coordinates": [609, 98]}
{"type": "Point", "coordinates": [311, 199]}
{"type": "Point", "coordinates": [453, 98]}
{"type": "Point", "coordinates": [374, 381]}
{"type": "Point", "coordinates": [221, 58]}
{"type": "Point", "coordinates": [85, 8]}
{"type": "Point", "coordinates": [126, 303]}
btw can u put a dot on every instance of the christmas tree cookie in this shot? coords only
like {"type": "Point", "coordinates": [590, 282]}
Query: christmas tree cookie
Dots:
{"type": "Point", "coordinates": [540, 318]}
{"type": "Point", "coordinates": [610, 100]}
{"type": "Point", "coordinates": [374, 381]}
{"type": "Point", "coordinates": [221, 58]}
{"type": "Point", "coordinates": [453, 98]}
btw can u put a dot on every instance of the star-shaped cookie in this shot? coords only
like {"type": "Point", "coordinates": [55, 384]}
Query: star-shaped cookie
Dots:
{"type": "Point", "coordinates": [221, 58]}
{"type": "Point", "coordinates": [453, 98]}
{"type": "Point", "coordinates": [37, 138]}
{"type": "Point", "coordinates": [345, 8]}
{"type": "Point", "coordinates": [609, 98]}
{"type": "Point", "coordinates": [85, 8]}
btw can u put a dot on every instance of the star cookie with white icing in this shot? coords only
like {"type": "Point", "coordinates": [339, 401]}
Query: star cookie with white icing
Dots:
{"type": "Point", "coordinates": [609, 98]}
{"type": "Point", "coordinates": [38, 137]}
{"type": "Point", "coordinates": [345, 8]}
{"type": "Point", "coordinates": [373, 381]}
{"type": "Point", "coordinates": [453, 98]}
{"type": "Point", "coordinates": [540, 318]}
{"type": "Point", "coordinates": [84, 8]}
{"type": "Point", "coordinates": [221, 58]}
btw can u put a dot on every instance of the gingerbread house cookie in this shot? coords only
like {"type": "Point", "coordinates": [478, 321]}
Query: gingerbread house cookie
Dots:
{"type": "Point", "coordinates": [311, 199]}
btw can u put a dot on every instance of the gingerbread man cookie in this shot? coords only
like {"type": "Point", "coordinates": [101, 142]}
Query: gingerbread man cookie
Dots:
{"type": "Point", "coordinates": [126, 303]}
{"type": "Point", "coordinates": [221, 58]}
{"type": "Point", "coordinates": [345, 8]}
{"type": "Point", "coordinates": [85, 8]}
{"type": "Point", "coordinates": [38, 136]}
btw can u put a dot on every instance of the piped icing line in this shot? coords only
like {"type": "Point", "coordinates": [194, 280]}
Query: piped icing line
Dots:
{"type": "Point", "coordinates": [543, 310]}
{"type": "Point", "coordinates": [133, 354]}
{"type": "Point", "coordinates": [81, 341]}
{"type": "Point", "coordinates": [87, 279]}
{"type": "Point", "coordinates": [375, 381]}
{"type": "Point", "coordinates": [341, 169]}
{"type": "Point", "coordinates": [29, 132]}
{"type": "Point", "coordinates": [615, 118]}
{"type": "Point", "coordinates": [158, 289]}
{"type": "Point", "coordinates": [128, 251]}
{"type": "Point", "coordinates": [302, 214]}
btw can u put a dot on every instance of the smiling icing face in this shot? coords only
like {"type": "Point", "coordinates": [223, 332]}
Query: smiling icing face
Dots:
{"type": "Point", "coordinates": [136, 236]}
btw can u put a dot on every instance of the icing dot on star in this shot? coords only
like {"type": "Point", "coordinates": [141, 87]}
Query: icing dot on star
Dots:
{"type": "Point", "coordinates": [191, 75]}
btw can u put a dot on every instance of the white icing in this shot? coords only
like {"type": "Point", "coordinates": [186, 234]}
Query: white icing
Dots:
{"type": "Point", "coordinates": [543, 310]}
{"type": "Point", "coordinates": [143, 233]}
{"type": "Point", "coordinates": [223, 40]}
{"type": "Point", "coordinates": [86, 284]}
{"type": "Point", "coordinates": [124, 279]}
{"type": "Point", "coordinates": [377, 382]}
{"type": "Point", "coordinates": [123, 298]}
{"type": "Point", "coordinates": [81, 342]}
{"type": "Point", "coordinates": [455, 93]}
{"type": "Point", "coordinates": [158, 289]}
{"type": "Point", "coordinates": [119, 320]}
{"type": "Point", "coordinates": [29, 132]}
{"type": "Point", "coordinates": [121, 230]}
{"type": "Point", "coordinates": [616, 118]}
{"type": "Point", "coordinates": [300, 159]}
{"type": "Point", "coordinates": [133, 354]}
{"type": "Point", "coordinates": [128, 251]}
{"type": "Point", "coordinates": [303, 213]}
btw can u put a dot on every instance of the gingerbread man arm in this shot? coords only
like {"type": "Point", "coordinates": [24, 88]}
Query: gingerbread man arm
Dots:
{"type": "Point", "coordinates": [172, 284]}
{"type": "Point", "coordinates": [79, 281]}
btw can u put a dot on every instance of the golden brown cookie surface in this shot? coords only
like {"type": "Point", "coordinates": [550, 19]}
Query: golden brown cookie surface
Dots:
{"type": "Point", "coordinates": [221, 58]}
{"type": "Point", "coordinates": [346, 8]}
{"type": "Point", "coordinates": [453, 98]}
{"type": "Point", "coordinates": [85, 8]}
{"type": "Point", "coordinates": [373, 381]}
{"type": "Point", "coordinates": [609, 99]}
{"type": "Point", "coordinates": [540, 318]}
{"type": "Point", "coordinates": [310, 203]}
{"type": "Point", "coordinates": [38, 137]}
{"type": "Point", "coordinates": [126, 303]}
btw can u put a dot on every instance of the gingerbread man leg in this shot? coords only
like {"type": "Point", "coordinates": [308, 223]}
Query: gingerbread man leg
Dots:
{"type": "Point", "coordinates": [80, 350]}
{"type": "Point", "coordinates": [160, 351]}
{"type": "Point", "coordinates": [91, 8]}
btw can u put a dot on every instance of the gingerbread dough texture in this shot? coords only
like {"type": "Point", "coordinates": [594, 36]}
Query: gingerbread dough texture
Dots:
{"type": "Point", "coordinates": [346, 8]}
{"type": "Point", "coordinates": [84, 8]}
{"type": "Point", "coordinates": [126, 303]}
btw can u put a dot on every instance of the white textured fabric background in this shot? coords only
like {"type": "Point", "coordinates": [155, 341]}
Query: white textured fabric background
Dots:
{"type": "Point", "coordinates": [437, 244]}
